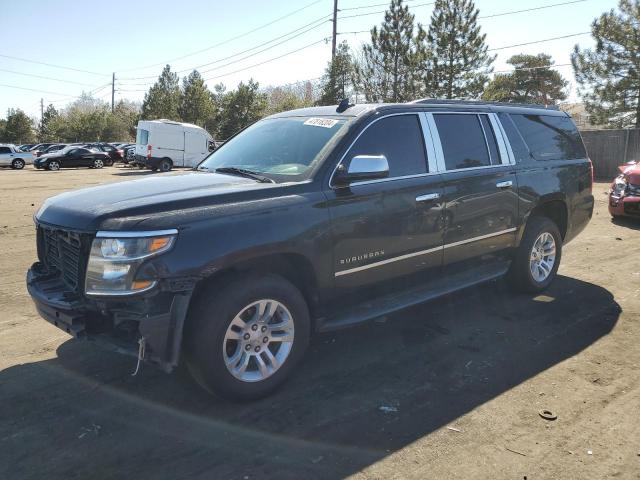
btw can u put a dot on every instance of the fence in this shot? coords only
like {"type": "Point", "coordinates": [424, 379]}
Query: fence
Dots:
{"type": "Point", "coordinates": [610, 148]}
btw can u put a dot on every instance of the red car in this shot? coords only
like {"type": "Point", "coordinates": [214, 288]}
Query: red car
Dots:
{"type": "Point", "coordinates": [624, 196]}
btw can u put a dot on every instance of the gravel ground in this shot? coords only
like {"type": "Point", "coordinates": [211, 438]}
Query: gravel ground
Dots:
{"type": "Point", "coordinates": [450, 389]}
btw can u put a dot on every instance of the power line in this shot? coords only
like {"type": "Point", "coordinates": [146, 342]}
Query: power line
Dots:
{"type": "Point", "coordinates": [538, 41]}
{"type": "Point", "coordinates": [52, 65]}
{"type": "Point", "coordinates": [268, 61]}
{"type": "Point", "coordinates": [47, 78]}
{"type": "Point", "coordinates": [322, 20]}
{"type": "Point", "coordinates": [381, 11]}
{"type": "Point", "coordinates": [533, 68]}
{"type": "Point", "coordinates": [532, 9]}
{"type": "Point", "coordinates": [224, 42]}
{"type": "Point", "coordinates": [372, 6]}
{"type": "Point", "coordinates": [39, 91]}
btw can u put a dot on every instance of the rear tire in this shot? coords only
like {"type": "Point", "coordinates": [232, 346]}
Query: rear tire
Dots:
{"type": "Point", "coordinates": [226, 332]}
{"type": "Point", "coordinates": [165, 165]}
{"type": "Point", "coordinates": [537, 259]}
{"type": "Point", "coordinates": [17, 164]}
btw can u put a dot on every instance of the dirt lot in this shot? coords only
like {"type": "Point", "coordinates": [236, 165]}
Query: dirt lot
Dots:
{"type": "Point", "coordinates": [451, 389]}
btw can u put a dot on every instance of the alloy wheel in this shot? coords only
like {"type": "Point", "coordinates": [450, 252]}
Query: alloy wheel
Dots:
{"type": "Point", "coordinates": [258, 340]}
{"type": "Point", "coordinates": [543, 257]}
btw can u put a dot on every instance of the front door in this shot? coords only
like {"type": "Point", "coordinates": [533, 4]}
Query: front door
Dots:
{"type": "Point", "coordinates": [389, 228]}
{"type": "Point", "coordinates": [195, 148]}
{"type": "Point", "coordinates": [480, 190]}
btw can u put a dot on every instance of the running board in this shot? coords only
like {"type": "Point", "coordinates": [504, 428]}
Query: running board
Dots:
{"type": "Point", "coordinates": [397, 301]}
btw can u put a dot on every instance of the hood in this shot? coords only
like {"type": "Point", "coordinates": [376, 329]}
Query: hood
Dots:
{"type": "Point", "coordinates": [44, 156]}
{"type": "Point", "coordinates": [631, 173]}
{"type": "Point", "coordinates": [88, 208]}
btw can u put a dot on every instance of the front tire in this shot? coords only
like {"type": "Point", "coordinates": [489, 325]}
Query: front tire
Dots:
{"type": "Point", "coordinates": [17, 164]}
{"type": "Point", "coordinates": [98, 163]}
{"type": "Point", "coordinates": [244, 339]}
{"type": "Point", "coordinates": [53, 166]}
{"type": "Point", "coordinates": [537, 259]}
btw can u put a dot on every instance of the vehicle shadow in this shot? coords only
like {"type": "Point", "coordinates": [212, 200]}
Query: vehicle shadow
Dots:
{"type": "Point", "coordinates": [632, 223]}
{"type": "Point", "coordinates": [359, 395]}
{"type": "Point", "coordinates": [129, 172]}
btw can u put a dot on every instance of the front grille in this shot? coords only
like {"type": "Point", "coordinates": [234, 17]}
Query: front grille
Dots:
{"type": "Point", "coordinates": [62, 251]}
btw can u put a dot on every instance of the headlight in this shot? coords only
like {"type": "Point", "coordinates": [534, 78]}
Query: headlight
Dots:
{"type": "Point", "coordinates": [619, 186]}
{"type": "Point", "coordinates": [116, 257]}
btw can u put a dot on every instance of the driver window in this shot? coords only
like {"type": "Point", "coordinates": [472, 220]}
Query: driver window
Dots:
{"type": "Point", "coordinates": [400, 139]}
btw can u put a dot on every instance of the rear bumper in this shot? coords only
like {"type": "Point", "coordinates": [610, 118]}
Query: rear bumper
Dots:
{"type": "Point", "coordinates": [114, 323]}
{"type": "Point", "coordinates": [624, 206]}
{"type": "Point", "coordinates": [149, 162]}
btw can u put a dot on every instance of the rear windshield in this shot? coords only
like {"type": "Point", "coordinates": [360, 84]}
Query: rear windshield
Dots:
{"type": "Point", "coordinates": [142, 136]}
{"type": "Point", "coordinates": [277, 146]}
{"type": "Point", "coordinates": [550, 137]}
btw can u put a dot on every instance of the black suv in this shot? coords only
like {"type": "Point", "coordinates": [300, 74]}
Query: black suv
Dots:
{"type": "Point", "coordinates": [307, 221]}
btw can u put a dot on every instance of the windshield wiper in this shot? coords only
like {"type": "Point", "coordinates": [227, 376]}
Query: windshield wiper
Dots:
{"type": "Point", "coordinates": [244, 173]}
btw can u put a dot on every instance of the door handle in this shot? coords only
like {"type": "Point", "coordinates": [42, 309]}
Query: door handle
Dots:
{"type": "Point", "coordinates": [428, 197]}
{"type": "Point", "coordinates": [507, 184]}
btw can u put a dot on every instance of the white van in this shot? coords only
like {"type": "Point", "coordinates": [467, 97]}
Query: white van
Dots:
{"type": "Point", "coordinates": [164, 144]}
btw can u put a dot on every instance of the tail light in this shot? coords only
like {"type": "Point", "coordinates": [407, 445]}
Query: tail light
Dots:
{"type": "Point", "coordinates": [120, 153]}
{"type": "Point", "coordinates": [592, 175]}
{"type": "Point", "coordinates": [148, 151]}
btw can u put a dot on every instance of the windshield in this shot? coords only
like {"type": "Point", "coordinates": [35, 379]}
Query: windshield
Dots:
{"type": "Point", "coordinates": [276, 146]}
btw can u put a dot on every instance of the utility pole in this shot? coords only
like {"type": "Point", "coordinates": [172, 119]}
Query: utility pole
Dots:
{"type": "Point", "coordinates": [113, 90]}
{"type": "Point", "coordinates": [335, 29]}
{"type": "Point", "coordinates": [41, 110]}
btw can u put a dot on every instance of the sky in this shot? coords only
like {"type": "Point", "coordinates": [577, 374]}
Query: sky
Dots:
{"type": "Point", "coordinates": [231, 41]}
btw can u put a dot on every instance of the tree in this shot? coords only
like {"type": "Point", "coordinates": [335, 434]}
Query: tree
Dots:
{"type": "Point", "coordinates": [456, 63]}
{"type": "Point", "coordinates": [336, 81]}
{"type": "Point", "coordinates": [196, 105]}
{"type": "Point", "coordinates": [121, 124]}
{"type": "Point", "coordinates": [163, 98]}
{"type": "Point", "coordinates": [386, 68]}
{"type": "Point", "coordinates": [46, 132]}
{"type": "Point", "coordinates": [532, 81]}
{"type": "Point", "coordinates": [19, 127]}
{"type": "Point", "coordinates": [608, 76]}
{"type": "Point", "coordinates": [241, 108]}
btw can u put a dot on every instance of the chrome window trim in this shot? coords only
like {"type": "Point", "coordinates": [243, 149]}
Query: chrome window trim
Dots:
{"type": "Point", "coordinates": [429, 144]}
{"type": "Point", "coordinates": [504, 140]}
{"type": "Point", "coordinates": [422, 252]}
{"type": "Point", "coordinates": [486, 141]}
{"type": "Point", "coordinates": [138, 234]}
{"type": "Point", "coordinates": [416, 114]}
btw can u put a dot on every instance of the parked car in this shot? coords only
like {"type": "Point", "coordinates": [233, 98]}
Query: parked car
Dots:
{"type": "Point", "coordinates": [624, 195]}
{"type": "Point", "coordinates": [54, 148]}
{"type": "Point", "coordinates": [114, 154]}
{"type": "Point", "coordinates": [40, 148]}
{"type": "Point", "coordinates": [164, 144]}
{"type": "Point", "coordinates": [12, 156]}
{"type": "Point", "coordinates": [71, 157]}
{"type": "Point", "coordinates": [308, 221]}
{"type": "Point", "coordinates": [25, 147]}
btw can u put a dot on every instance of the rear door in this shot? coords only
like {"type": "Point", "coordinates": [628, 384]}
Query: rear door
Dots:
{"type": "Point", "coordinates": [6, 156]}
{"type": "Point", "coordinates": [392, 227]}
{"type": "Point", "coordinates": [480, 189]}
{"type": "Point", "coordinates": [195, 148]}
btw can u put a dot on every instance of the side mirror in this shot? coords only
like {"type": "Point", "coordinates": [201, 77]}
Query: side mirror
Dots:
{"type": "Point", "coordinates": [361, 167]}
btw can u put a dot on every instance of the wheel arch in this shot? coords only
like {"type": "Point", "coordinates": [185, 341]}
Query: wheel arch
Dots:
{"type": "Point", "coordinates": [555, 209]}
{"type": "Point", "coordinates": [294, 267]}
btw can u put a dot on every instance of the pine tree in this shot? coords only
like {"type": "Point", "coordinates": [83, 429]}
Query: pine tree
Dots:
{"type": "Point", "coordinates": [46, 131]}
{"type": "Point", "coordinates": [163, 98]}
{"type": "Point", "coordinates": [196, 104]}
{"type": "Point", "coordinates": [19, 127]}
{"type": "Point", "coordinates": [336, 81]}
{"type": "Point", "coordinates": [385, 70]}
{"type": "Point", "coordinates": [532, 81]}
{"type": "Point", "coordinates": [457, 63]}
{"type": "Point", "coordinates": [241, 108]}
{"type": "Point", "coordinates": [609, 75]}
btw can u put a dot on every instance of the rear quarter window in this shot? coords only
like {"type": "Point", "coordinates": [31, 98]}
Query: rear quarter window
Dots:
{"type": "Point", "coordinates": [550, 137]}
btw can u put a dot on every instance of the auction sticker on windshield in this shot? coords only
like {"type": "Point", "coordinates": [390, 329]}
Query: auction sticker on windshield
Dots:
{"type": "Point", "coordinates": [321, 122]}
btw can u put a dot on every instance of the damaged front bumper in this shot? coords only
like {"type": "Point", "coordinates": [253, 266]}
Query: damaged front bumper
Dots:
{"type": "Point", "coordinates": [118, 323]}
{"type": "Point", "coordinates": [626, 205]}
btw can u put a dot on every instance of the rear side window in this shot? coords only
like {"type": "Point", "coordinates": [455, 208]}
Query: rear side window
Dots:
{"type": "Point", "coordinates": [519, 148]}
{"type": "Point", "coordinates": [550, 137]}
{"type": "Point", "coordinates": [399, 138]}
{"type": "Point", "coordinates": [463, 141]}
{"type": "Point", "coordinates": [142, 137]}
{"type": "Point", "coordinates": [5, 150]}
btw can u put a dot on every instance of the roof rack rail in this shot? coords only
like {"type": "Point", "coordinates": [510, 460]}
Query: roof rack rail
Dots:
{"type": "Point", "coordinates": [438, 101]}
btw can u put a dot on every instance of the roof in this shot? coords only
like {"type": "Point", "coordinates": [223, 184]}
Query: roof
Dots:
{"type": "Point", "coordinates": [171, 122]}
{"type": "Point", "coordinates": [359, 109]}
